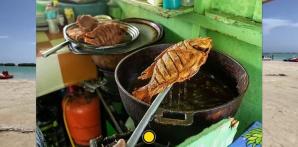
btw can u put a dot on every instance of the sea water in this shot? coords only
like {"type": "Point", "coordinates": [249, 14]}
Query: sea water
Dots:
{"type": "Point", "coordinates": [20, 73]}
{"type": "Point", "coordinates": [280, 56]}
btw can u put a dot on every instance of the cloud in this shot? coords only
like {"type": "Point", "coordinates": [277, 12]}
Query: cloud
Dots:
{"type": "Point", "coordinates": [270, 24]}
{"type": "Point", "coordinates": [3, 36]}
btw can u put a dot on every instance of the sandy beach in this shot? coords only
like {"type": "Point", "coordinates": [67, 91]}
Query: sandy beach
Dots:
{"type": "Point", "coordinates": [280, 103]}
{"type": "Point", "coordinates": [17, 111]}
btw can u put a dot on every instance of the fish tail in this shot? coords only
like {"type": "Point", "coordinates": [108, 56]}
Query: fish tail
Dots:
{"type": "Point", "coordinates": [142, 94]}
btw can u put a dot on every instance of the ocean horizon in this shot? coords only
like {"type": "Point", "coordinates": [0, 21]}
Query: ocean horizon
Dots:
{"type": "Point", "coordinates": [280, 56]}
{"type": "Point", "coordinates": [20, 72]}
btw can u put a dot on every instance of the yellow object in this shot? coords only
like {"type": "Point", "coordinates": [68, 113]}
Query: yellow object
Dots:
{"type": "Point", "coordinates": [149, 137]}
{"type": "Point", "coordinates": [55, 3]}
{"type": "Point", "coordinates": [69, 14]}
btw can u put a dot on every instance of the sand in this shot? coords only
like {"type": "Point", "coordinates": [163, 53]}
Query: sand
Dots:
{"type": "Point", "coordinates": [17, 112]}
{"type": "Point", "coordinates": [280, 104]}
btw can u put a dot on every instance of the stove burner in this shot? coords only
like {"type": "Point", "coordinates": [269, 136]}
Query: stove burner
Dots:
{"type": "Point", "coordinates": [108, 83]}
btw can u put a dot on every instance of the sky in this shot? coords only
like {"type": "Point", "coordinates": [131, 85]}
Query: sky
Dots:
{"type": "Point", "coordinates": [280, 26]}
{"type": "Point", "coordinates": [17, 31]}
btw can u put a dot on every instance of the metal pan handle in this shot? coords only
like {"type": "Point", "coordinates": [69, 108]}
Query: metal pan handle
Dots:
{"type": "Point", "coordinates": [174, 118]}
{"type": "Point", "coordinates": [54, 49]}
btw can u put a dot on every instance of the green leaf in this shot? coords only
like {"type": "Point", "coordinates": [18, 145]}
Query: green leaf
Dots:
{"type": "Point", "coordinates": [251, 142]}
{"type": "Point", "coordinates": [257, 135]}
{"type": "Point", "coordinates": [252, 138]}
{"type": "Point", "coordinates": [259, 140]}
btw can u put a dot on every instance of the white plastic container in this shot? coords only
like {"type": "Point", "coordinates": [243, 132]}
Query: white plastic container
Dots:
{"type": "Point", "coordinates": [155, 2]}
{"type": "Point", "coordinates": [53, 26]}
{"type": "Point", "coordinates": [187, 3]}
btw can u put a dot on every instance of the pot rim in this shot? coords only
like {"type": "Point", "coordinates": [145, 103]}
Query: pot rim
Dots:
{"type": "Point", "coordinates": [239, 97]}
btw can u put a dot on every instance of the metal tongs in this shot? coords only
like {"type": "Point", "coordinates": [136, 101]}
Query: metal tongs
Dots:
{"type": "Point", "coordinates": [146, 118]}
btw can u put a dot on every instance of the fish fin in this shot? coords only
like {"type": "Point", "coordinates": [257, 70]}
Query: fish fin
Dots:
{"type": "Point", "coordinates": [142, 94]}
{"type": "Point", "coordinates": [147, 73]}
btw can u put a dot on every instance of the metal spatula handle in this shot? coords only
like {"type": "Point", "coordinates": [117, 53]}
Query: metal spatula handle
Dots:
{"type": "Point", "coordinates": [146, 118]}
{"type": "Point", "coordinates": [54, 49]}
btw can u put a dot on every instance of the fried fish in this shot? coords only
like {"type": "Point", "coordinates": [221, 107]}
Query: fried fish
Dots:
{"type": "Point", "coordinates": [175, 64]}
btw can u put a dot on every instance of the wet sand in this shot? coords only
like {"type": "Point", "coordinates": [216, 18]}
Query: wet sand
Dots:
{"type": "Point", "coordinates": [17, 113]}
{"type": "Point", "coordinates": [280, 104]}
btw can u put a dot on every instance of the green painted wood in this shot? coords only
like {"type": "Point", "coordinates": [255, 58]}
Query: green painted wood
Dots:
{"type": "Point", "coordinates": [244, 8]}
{"type": "Point", "coordinates": [228, 18]}
{"type": "Point", "coordinates": [235, 35]}
{"type": "Point", "coordinates": [247, 32]}
{"type": "Point", "coordinates": [115, 11]}
{"type": "Point", "coordinates": [220, 134]}
{"type": "Point", "coordinates": [258, 11]}
{"type": "Point", "coordinates": [238, 27]}
{"type": "Point", "coordinates": [159, 10]}
{"type": "Point", "coordinates": [251, 9]}
{"type": "Point", "coordinates": [249, 56]}
{"type": "Point", "coordinates": [202, 5]}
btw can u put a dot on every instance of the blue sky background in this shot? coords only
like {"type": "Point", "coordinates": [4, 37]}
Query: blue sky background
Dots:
{"type": "Point", "coordinates": [280, 26]}
{"type": "Point", "coordinates": [17, 31]}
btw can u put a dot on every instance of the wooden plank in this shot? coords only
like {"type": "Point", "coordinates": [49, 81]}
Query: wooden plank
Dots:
{"type": "Point", "coordinates": [245, 31]}
{"type": "Point", "coordinates": [258, 11]}
{"type": "Point", "coordinates": [157, 9]}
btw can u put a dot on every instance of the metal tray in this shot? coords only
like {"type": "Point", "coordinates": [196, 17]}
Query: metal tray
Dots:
{"type": "Point", "coordinates": [131, 35]}
{"type": "Point", "coordinates": [150, 32]}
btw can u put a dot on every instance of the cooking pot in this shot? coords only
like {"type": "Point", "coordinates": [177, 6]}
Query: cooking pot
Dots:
{"type": "Point", "coordinates": [175, 126]}
{"type": "Point", "coordinates": [108, 62]}
{"type": "Point", "coordinates": [105, 61]}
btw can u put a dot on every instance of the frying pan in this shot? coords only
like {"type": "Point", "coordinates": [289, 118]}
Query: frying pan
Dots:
{"type": "Point", "coordinates": [132, 34]}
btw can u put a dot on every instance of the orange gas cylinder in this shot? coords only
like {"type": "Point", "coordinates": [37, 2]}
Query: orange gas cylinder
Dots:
{"type": "Point", "coordinates": [82, 114]}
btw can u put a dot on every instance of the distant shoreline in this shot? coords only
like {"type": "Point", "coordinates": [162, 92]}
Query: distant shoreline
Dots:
{"type": "Point", "coordinates": [20, 64]}
{"type": "Point", "coordinates": [279, 56]}
{"type": "Point", "coordinates": [280, 52]}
